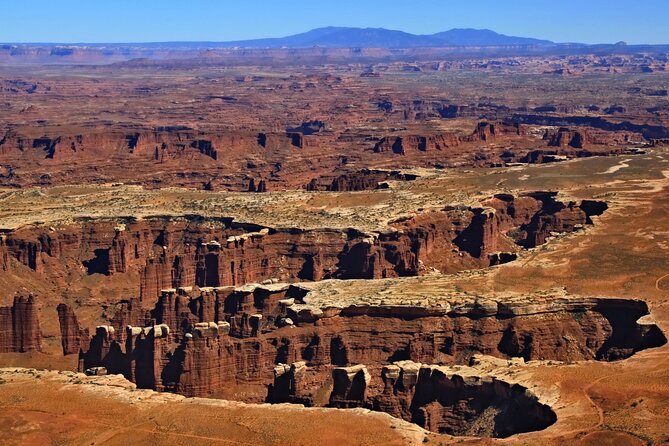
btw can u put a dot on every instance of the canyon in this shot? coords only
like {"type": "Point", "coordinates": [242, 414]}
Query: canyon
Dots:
{"type": "Point", "coordinates": [215, 158]}
{"type": "Point", "coordinates": [171, 253]}
{"type": "Point", "coordinates": [403, 247]}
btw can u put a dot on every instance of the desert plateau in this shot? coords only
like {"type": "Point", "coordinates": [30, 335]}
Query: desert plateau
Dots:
{"type": "Point", "coordinates": [349, 236]}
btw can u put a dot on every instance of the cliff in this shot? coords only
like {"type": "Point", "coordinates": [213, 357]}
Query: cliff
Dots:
{"type": "Point", "coordinates": [201, 342]}
{"type": "Point", "coordinates": [171, 253]}
{"type": "Point", "coordinates": [73, 337]}
{"type": "Point", "coordinates": [19, 326]}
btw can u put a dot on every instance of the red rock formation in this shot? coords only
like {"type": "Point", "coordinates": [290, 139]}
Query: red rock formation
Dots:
{"type": "Point", "coordinates": [278, 141]}
{"type": "Point", "coordinates": [533, 217]}
{"type": "Point", "coordinates": [73, 337]}
{"type": "Point", "coordinates": [221, 160]}
{"type": "Point", "coordinates": [442, 401]}
{"type": "Point", "coordinates": [484, 132]}
{"type": "Point", "coordinates": [4, 254]}
{"type": "Point", "coordinates": [350, 386]}
{"type": "Point", "coordinates": [19, 326]}
{"type": "Point", "coordinates": [365, 179]}
{"type": "Point", "coordinates": [163, 149]}
{"type": "Point", "coordinates": [566, 138]}
{"type": "Point", "coordinates": [261, 187]}
{"type": "Point", "coordinates": [171, 254]}
{"type": "Point", "coordinates": [255, 329]}
{"type": "Point", "coordinates": [403, 144]}
{"type": "Point", "coordinates": [487, 132]}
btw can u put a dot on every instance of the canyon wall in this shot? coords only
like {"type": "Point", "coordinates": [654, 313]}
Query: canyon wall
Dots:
{"type": "Point", "coordinates": [170, 253]}
{"type": "Point", "coordinates": [457, 403]}
{"type": "Point", "coordinates": [4, 254]}
{"type": "Point", "coordinates": [243, 160]}
{"type": "Point", "coordinates": [160, 144]}
{"type": "Point", "coordinates": [200, 342]}
{"type": "Point", "coordinates": [365, 179]}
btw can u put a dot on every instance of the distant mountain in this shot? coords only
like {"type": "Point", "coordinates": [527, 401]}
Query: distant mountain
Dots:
{"type": "Point", "coordinates": [483, 37]}
{"type": "Point", "coordinates": [339, 37]}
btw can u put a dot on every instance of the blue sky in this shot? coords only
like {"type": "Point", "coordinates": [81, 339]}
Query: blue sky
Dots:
{"type": "Point", "coordinates": [589, 21]}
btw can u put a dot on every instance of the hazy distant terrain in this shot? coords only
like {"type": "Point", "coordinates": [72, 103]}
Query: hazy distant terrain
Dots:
{"type": "Point", "coordinates": [338, 37]}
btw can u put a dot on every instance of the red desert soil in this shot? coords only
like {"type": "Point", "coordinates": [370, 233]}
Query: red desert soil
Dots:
{"type": "Point", "coordinates": [40, 407]}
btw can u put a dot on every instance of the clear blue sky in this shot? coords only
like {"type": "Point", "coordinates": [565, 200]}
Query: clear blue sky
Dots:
{"type": "Point", "coordinates": [589, 21]}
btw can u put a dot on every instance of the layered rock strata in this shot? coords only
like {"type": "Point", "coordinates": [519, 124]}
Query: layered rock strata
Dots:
{"type": "Point", "coordinates": [245, 160]}
{"type": "Point", "coordinates": [73, 337]}
{"type": "Point", "coordinates": [178, 252]}
{"type": "Point", "coordinates": [458, 402]}
{"type": "Point", "coordinates": [19, 326]}
{"type": "Point", "coordinates": [203, 342]}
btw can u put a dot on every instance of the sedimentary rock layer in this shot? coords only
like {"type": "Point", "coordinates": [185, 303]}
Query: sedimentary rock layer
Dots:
{"type": "Point", "coordinates": [206, 341]}
{"type": "Point", "coordinates": [19, 326]}
{"type": "Point", "coordinates": [73, 337]}
{"type": "Point", "coordinates": [170, 253]}
{"type": "Point", "coordinates": [244, 160]}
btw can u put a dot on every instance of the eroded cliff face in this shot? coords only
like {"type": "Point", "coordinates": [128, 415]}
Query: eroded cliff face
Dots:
{"type": "Point", "coordinates": [19, 326]}
{"type": "Point", "coordinates": [73, 337]}
{"type": "Point", "coordinates": [197, 330]}
{"type": "Point", "coordinates": [365, 179]}
{"type": "Point", "coordinates": [573, 142]}
{"type": "Point", "coordinates": [456, 403]}
{"type": "Point", "coordinates": [201, 342]}
{"type": "Point", "coordinates": [162, 154]}
{"type": "Point", "coordinates": [228, 159]}
{"type": "Point", "coordinates": [170, 253]}
{"type": "Point", "coordinates": [402, 144]}
{"type": "Point", "coordinates": [4, 254]}
{"type": "Point", "coordinates": [160, 144]}
{"type": "Point", "coordinates": [534, 217]}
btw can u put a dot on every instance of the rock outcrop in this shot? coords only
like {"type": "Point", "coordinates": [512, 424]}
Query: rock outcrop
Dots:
{"type": "Point", "coordinates": [4, 254]}
{"type": "Point", "coordinates": [575, 138]}
{"type": "Point", "coordinates": [403, 144]}
{"type": "Point", "coordinates": [459, 402]}
{"type": "Point", "coordinates": [227, 159]}
{"type": "Point", "coordinates": [532, 218]}
{"type": "Point", "coordinates": [365, 179]}
{"type": "Point", "coordinates": [19, 326]}
{"type": "Point", "coordinates": [73, 337]}
{"type": "Point", "coordinates": [350, 386]}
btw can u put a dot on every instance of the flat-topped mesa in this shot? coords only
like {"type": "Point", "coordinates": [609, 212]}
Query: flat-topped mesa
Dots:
{"type": "Point", "coordinates": [565, 137]}
{"type": "Point", "coordinates": [19, 326]}
{"type": "Point", "coordinates": [213, 155]}
{"type": "Point", "coordinates": [365, 179]}
{"type": "Point", "coordinates": [279, 141]}
{"type": "Point", "coordinates": [408, 143]}
{"type": "Point", "coordinates": [258, 327]}
{"type": "Point", "coordinates": [180, 252]}
{"type": "Point", "coordinates": [488, 132]}
{"type": "Point", "coordinates": [496, 144]}
{"type": "Point", "coordinates": [161, 144]}
{"type": "Point", "coordinates": [411, 144]}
